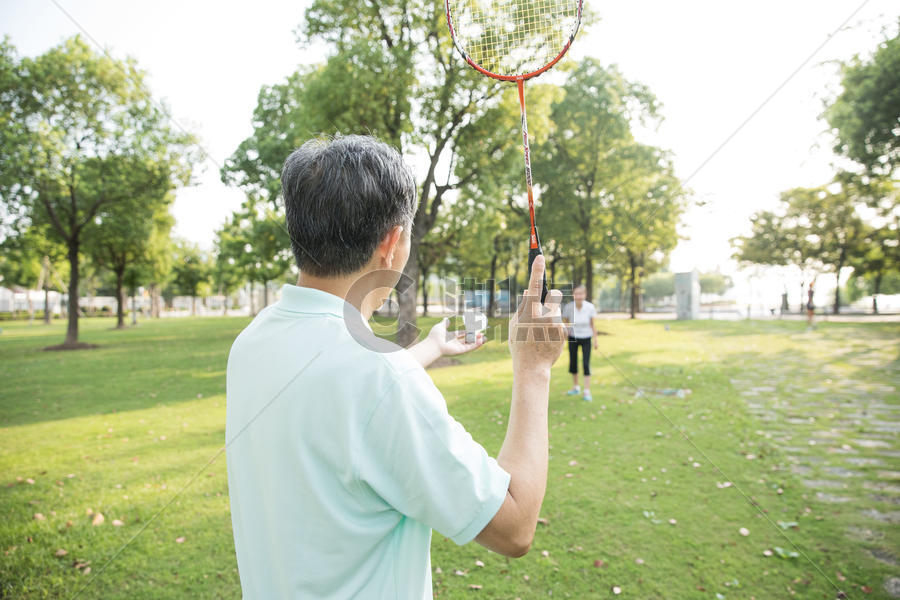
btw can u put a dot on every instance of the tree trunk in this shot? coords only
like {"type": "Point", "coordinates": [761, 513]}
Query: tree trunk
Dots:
{"type": "Point", "coordinates": [252, 313]}
{"type": "Point", "coordinates": [30, 306]}
{"type": "Point", "coordinates": [491, 282]}
{"type": "Point", "coordinates": [46, 305]}
{"type": "Point", "coordinates": [408, 292]}
{"type": "Point", "coordinates": [837, 287]}
{"type": "Point", "coordinates": [120, 294]}
{"type": "Point", "coordinates": [225, 306]}
{"type": "Point", "coordinates": [425, 292]}
{"type": "Point", "coordinates": [875, 293]}
{"type": "Point", "coordinates": [589, 275]}
{"type": "Point", "coordinates": [265, 294]}
{"type": "Point", "coordinates": [154, 301]}
{"type": "Point", "coordinates": [802, 301]}
{"type": "Point", "coordinates": [72, 329]}
{"type": "Point", "coordinates": [133, 309]}
{"type": "Point", "coordinates": [633, 278]}
{"type": "Point", "coordinates": [193, 305]}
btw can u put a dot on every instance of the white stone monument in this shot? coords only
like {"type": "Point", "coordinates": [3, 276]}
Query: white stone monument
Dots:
{"type": "Point", "coordinates": [687, 295]}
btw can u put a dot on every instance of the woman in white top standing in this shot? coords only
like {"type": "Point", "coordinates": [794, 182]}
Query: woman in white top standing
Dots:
{"type": "Point", "coordinates": [579, 316]}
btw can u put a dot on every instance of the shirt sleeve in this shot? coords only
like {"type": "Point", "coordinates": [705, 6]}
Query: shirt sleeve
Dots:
{"type": "Point", "coordinates": [422, 462]}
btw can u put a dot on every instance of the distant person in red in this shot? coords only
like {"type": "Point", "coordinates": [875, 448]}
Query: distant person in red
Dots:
{"type": "Point", "coordinates": [810, 306]}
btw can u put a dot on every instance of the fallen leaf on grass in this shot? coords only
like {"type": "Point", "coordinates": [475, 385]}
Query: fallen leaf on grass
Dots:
{"type": "Point", "coordinates": [616, 590]}
{"type": "Point", "coordinates": [545, 553]}
{"type": "Point", "coordinates": [179, 540]}
{"type": "Point", "coordinates": [117, 523]}
{"type": "Point", "coordinates": [29, 481]}
{"type": "Point", "coordinates": [744, 531]}
{"type": "Point", "coordinates": [39, 517]}
{"type": "Point", "coordinates": [474, 586]}
{"type": "Point", "coordinates": [639, 561]}
{"type": "Point", "coordinates": [98, 519]}
{"type": "Point", "coordinates": [866, 589]}
{"type": "Point", "coordinates": [478, 563]}
{"type": "Point", "coordinates": [543, 521]}
{"type": "Point", "coordinates": [785, 553]}
{"type": "Point", "coordinates": [841, 577]}
{"type": "Point", "coordinates": [60, 553]}
{"type": "Point", "coordinates": [767, 553]}
{"type": "Point", "coordinates": [672, 522]}
{"type": "Point", "coordinates": [599, 563]}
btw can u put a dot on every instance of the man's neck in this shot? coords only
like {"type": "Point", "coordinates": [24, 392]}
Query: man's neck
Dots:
{"type": "Point", "coordinates": [337, 286]}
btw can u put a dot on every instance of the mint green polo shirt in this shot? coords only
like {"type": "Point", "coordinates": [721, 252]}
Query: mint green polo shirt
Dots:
{"type": "Point", "coordinates": [343, 458]}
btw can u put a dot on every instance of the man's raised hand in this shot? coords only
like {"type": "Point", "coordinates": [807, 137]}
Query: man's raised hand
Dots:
{"type": "Point", "coordinates": [536, 332]}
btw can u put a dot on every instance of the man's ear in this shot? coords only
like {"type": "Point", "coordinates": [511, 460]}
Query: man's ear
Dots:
{"type": "Point", "coordinates": [388, 245]}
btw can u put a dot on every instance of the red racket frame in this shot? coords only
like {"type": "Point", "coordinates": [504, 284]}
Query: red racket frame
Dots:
{"type": "Point", "coordinates": [535, 243]}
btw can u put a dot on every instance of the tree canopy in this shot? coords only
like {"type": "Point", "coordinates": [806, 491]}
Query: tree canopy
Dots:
{"type": "Point", "coordinates": [82, 139]}
{"type": "Point", "coordinates": [865, 116]}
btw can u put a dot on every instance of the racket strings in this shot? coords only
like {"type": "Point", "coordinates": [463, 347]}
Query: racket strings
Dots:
{"type": "Point", "coordinates": [513, 37]}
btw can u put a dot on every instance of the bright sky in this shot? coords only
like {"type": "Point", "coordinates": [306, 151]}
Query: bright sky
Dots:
{"type": "Point", "coordinates": [711, 64]}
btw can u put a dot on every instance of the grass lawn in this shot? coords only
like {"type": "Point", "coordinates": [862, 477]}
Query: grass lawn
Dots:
{"type": "Point", "coordinates": [803, 425]}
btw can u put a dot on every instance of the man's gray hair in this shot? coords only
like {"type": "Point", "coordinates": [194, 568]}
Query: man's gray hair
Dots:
{"type": "Point", "coordinates": [342, 195]}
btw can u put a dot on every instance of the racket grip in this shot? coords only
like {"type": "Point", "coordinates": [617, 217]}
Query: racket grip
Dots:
{"type": "Point", "coordinates": [532, 254]}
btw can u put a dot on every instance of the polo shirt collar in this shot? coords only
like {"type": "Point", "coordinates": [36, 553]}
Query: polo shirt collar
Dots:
{"type": "Point", "coordinates": [295, 298]}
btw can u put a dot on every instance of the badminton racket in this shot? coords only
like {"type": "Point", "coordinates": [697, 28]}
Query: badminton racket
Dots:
{"type": "Point", "coordinates": [515, 40]}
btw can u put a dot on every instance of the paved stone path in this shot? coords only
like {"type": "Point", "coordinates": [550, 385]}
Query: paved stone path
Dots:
{"type": "Point", "coordinates": [833, 410]}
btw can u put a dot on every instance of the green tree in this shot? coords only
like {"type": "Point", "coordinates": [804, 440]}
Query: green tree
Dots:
{"type": "Point", "coordinates": [606, 196]}
{"type": "Point", "coordinates": [76, 127]}
{"type": "Point", "coordinates": [815, 228]}
{"type": "Point", "coordinates": [156, 265]}
{"type": "Point", "coordinates": [865, 115]}
{"type": "Point", "coordinates": [715, 283]}
{"type": "Point", "coordinates": [228, 274]}
{"type": "Point", "coordinates": [256, 243]}
{"type": "Point", "coordinates": [659, 286]}
{"type": "Point", "coordinates": [21, 264]}
{"type": "Point", "coordinates": [773, 241]}
{"type": "Point", "coordinates": [124, 232]}
{"type": "Point", "coordinates": [878, 258]}
{"type": "Point", "coordinates": [191, 270]}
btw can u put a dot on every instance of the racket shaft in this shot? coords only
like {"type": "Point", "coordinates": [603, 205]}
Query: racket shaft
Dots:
{"type": "Point", "coordinates": [532, 254]}
{"type": "Point", "coordinates": [533, 241]}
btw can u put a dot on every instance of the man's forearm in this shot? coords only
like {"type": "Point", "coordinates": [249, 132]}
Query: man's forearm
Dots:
{"type": "Point", "coordinates": [426, 352]}
{"type": "Point", "coordinates": [525, 449]}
